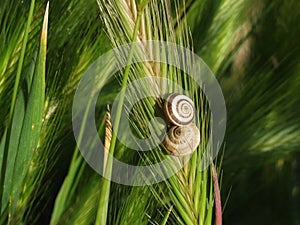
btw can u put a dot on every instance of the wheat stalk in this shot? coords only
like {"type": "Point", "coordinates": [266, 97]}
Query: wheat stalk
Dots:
{"type": "Point", "coordinates": [156, 23]}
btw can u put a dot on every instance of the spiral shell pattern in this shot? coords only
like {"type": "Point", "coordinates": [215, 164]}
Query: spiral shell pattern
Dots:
{"type": "Point", "coordinates": [182, 140]}
{"type": "Point", "coordinates": [179, 109]}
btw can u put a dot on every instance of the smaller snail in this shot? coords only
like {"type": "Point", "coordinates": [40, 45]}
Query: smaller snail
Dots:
{"type": "Point", "coordinates": [179, 109]}
{"type": "Point", "coordinates": [182, 140]}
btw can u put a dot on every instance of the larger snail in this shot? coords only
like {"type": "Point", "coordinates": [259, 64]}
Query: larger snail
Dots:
{"type": "Point", "coordinates": [183, 137]}
{"type": "Point", "coordinates": [179, 109]}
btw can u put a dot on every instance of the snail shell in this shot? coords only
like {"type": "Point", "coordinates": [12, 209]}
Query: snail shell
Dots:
{"type": "Point", "coordinates": [179, 109]}
{"type": "Point", "coordinates": [182, 140]}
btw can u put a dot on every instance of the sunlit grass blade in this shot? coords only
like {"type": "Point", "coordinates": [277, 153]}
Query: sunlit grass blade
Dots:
{"type": "Point", "coordinates": [32, 119]}
{"type": "Point", "coordinates": [13, 101]}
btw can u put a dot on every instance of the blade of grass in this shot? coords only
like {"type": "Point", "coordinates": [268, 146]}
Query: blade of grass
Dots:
{"type": "Point", "coordinates": [210, 203]}
{"type": "Point", "coordinates": [32, 121]}
{"type": "Point", "coordinates": [104, 195]}
{"type": "Point", "coordinates": [165, 220]}
{"type": "Point", "coordinates": [3, 218]}
{"type": "Point", "coordinates": [203, 197]}
{"type": "Point", "coordinates": [13, 102]}
{"type": "Point", "coordinates": [17, 124]}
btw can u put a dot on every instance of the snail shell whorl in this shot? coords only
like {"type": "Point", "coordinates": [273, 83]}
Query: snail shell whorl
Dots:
{"type": "Point", "coordinates": [179, 109]}
{"type": "Point", "coordinates": [182, 140]}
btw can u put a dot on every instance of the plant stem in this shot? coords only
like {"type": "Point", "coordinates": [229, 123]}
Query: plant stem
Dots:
{"type": "Point", "coordinates": [105, 189]}
{"type": "Point", "coordinates": [166, 217]}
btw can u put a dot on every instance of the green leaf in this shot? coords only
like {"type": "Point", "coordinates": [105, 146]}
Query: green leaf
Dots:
{"type": "Point", "coordinates": [13, 146]}
{"type": "Point", "coordinates": [32, 120]}
{"type": "Point", "coordinates": [13, 101]}
{"type": "Point", "coordinates": [16, 128]}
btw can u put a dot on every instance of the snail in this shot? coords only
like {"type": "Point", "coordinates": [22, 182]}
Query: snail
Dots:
{"type": "Point", "coordinates": [183, 136]}
{"type": "Point", "coordinates": [182, 140]}
{"type": "Point", "coordinates": [179, 109]}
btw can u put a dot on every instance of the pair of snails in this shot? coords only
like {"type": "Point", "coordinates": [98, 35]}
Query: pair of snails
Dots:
{"type": "Point", "coordinates": [183, 136]}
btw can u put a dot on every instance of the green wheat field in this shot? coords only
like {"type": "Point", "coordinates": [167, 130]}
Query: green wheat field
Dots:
{"type": "Point", "coordinates": [252, 48]}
